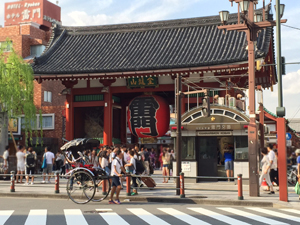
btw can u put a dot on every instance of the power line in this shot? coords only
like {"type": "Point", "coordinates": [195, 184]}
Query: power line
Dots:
{"type": "Point", "coordinates": [295, 114]}
{"type": "Point", "coordinates": [296, 28]}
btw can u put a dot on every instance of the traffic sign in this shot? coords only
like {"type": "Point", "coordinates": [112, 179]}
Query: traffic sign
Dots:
{"type": "Point", "coordinates": [288, 136]}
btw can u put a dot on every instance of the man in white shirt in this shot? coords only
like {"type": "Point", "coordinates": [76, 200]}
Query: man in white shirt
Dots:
{"type": "Point", "coordinates": [116, 169]}
{"type": "Point", "coordinates": [50, 161]}
{"type": "Point", "coordinates": [20, 164]}
{"type": "Point", "coordinates": [272, 159]}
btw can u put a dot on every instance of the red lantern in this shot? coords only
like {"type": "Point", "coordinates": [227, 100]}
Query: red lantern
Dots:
{"type": "Point", "coordinates": [148, 116]}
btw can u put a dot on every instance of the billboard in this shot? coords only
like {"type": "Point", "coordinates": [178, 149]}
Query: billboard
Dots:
{"type": "Point", "coordinates": [38, 11]}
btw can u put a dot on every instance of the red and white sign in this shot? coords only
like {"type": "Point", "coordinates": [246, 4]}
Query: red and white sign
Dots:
{"type": "Point", "coordinates": [42, 12]}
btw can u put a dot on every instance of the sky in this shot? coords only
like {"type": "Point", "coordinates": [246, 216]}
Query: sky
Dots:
{"type": "Point", "coordinates": [101, 12]}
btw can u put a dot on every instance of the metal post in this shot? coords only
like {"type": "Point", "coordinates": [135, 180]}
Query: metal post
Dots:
{"type": "Point", "coordinates": [252, 128]}
{"type": "Point", "coordinates": [178, 134]}
{"type": "Point", "coordinates": [56, 182]}
{"type": "Point", "coordinates": [12, 181]}
{"type": "Point", "coordinates": [240, 187]}
{"type": "Point", "coordinates": [182, 195]}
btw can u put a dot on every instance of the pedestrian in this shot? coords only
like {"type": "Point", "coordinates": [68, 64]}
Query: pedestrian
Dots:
{"type": "Point", "coordinates": [104, 161]}
{"type": "Point", "coordinates": [5, 158]}
{"type": "Point", "coordinates": [273, 165]}
{"type": "Point", "coordinates": [265, 171]}
{"type": "Point", "coordinates": [146, 161]}
{"type": "Point", "coordinates": [172, 158]}
{"type": "Point", "coordinates": [116, 169]}
{"type": "Point", "coordinates": [166, 161]}
{"type": "Point", "coordinates": [160, 159]}
{"type": "Point", "coordinates": [228, 160]}
{"type": "Point", "coordinates": [30, 159]}
{"type": "Point", "coordinates": [94, 159]}
{"type": "Point", "coordinates": [20, 164]}
{"type": "Point", "coordinates": [131, 168]}
{"type": "Point", "coordinates": [297, 152]}
{"type": "Point", "coordinates": [50, 161]}
{"type": "Point", "coordinates": [59, 160]}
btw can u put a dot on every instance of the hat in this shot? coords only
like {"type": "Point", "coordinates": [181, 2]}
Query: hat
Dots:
{"type": "Point", "coordinates": [297, 151]}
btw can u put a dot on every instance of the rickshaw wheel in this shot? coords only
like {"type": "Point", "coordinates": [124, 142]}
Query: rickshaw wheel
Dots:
{"type": "Point", "coordinates": [81, 187]}
{"type": "Point", "coordinates": [100, 194]}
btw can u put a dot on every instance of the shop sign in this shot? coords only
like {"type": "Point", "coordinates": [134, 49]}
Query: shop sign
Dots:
{"type": "Point", "coordinates": [186, 166]}
{"type": "Point", "coordinates": [142, 82]}
{"type": "Point", "coordinates": [214, 133]}
{"type": "Point", "coordinates": [215, 127]}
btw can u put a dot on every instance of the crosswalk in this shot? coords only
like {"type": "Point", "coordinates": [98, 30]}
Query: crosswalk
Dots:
{"type": "Point", "coordinates": [125, 215]}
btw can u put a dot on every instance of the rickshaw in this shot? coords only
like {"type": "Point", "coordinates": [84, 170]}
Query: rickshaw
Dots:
{"type": "Point", "coordinates": [84, 181]}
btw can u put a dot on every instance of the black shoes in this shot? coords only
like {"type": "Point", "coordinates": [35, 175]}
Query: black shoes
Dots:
{"type": "Point", "coordinates": [271, 193]}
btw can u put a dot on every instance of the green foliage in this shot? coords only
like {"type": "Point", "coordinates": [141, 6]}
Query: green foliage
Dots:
{"type": "Point", "coordinates": [16, 89]}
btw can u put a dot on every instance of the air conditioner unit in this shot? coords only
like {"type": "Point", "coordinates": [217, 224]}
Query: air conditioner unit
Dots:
{"type": "Point", "coordinates": [221, 100]}
{"type": "Point", "coordinates": [232, 102]}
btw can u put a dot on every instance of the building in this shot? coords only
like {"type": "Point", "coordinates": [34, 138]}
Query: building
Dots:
{"type": "Point", "coordinates": [104, 68]}
{"type": "Point", "coordinates": [27, 30]}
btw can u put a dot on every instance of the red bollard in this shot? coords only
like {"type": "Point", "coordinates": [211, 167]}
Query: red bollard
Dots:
{"type": "Point", "coordinates": [182, 195]}
{"type": "Point", "coordinates": [128, 191]}
{"type": "Point", "coordinates": [240, 187]}
{"type": "Point", "coordinates": [56, 182]}
{"type": "Point", "coordinates": [12, 181]}
{"type": "Point", "coordinates": [104, 192]}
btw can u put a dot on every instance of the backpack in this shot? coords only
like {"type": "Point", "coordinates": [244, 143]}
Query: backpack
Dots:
{"type": "Point", "coordinates": [30, 161]}
{"type": "Point", "coordinates": [139, 167]}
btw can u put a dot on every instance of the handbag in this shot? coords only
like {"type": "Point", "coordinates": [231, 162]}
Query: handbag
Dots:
{"type": "Point", "coordinates": [297, 188]}
{"type": "Point", "coordinates": [44, 165]}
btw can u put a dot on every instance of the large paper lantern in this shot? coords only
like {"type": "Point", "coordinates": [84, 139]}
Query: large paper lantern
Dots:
{"type": "Point", "coordinates": [148, 116]}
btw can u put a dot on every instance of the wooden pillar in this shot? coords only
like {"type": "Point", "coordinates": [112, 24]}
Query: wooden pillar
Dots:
{"type": "Point", "coordinates": [123, 126]}
{"type": "Point", "coordinates": [69, 117]}
{"type": "Point", "coordinates": [282, 171]}
{"type": "Point", "coordinates": [107, 129]}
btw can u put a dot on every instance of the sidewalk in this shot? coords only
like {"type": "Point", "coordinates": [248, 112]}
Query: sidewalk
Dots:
{"type": "Point", "coordinates": [210, 193]}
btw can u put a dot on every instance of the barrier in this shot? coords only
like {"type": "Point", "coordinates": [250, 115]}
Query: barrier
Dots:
{"type": "Point", "coordinates": [12, 181]}
{"type": "Point", "coordinates": [128, 180]}
{"type": "Point", "coordinates": [56, 188]}
{"type": "Point", "coordinates": [182, 195]}
{"type": "Point", "coordinates": [182, 189]}
{"type": "Point", "coordinates": [240, 187]}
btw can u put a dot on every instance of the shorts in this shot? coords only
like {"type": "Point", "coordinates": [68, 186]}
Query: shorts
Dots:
{"type": "Point", "coordinates": [115, 181]}
{"type": "Point", "coordinates": [229, 165]}
{"type": "Point", "coordinates": [48, 169]}
{"type": "Point", "coordinates": [21, 168]}
{"type": "Point", "coordinates": [166, 165]}
{"type": "Point", "coordinates": [30, 170]}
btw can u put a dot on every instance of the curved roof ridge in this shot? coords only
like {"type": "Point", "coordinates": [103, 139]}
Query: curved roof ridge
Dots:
{"type": "Point", "coordinates": [53, 42]}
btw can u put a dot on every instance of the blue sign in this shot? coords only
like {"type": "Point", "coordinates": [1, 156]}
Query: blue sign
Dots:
{"type": "Point", "coordinates": [288, 136]}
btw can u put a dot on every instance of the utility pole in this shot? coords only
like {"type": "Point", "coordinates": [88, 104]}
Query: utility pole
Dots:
{"type": "Point", "coordinates": [178, 133]}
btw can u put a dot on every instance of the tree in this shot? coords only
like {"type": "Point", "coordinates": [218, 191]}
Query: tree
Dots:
{"type": "Point", "coordinates": [16, 94]}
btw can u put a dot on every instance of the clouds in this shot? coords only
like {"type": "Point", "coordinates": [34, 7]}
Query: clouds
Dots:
{"type": "Point", "coordinates": [136, 11]}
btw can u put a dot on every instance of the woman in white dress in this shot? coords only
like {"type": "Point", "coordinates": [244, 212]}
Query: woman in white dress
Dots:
{"type": "Point", "coordinates": [265, 171]}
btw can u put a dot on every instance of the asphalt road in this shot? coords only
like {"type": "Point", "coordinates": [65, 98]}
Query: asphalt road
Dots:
{"type": "Point", "coordinates": [28, 211]}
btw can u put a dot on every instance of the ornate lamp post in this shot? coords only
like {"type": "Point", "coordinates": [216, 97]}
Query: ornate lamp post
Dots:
{"type": "Point", "coordinates": [251, 24]}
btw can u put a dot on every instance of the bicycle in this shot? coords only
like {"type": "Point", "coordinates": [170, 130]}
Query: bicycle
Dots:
{"type": "Point", "coordinates": [292, 175]}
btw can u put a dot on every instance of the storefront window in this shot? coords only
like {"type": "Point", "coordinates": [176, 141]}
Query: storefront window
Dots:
{"type": "Point", "coordinates": [188, 148]}
{"type": "Point", "coordinates": [241, 148]}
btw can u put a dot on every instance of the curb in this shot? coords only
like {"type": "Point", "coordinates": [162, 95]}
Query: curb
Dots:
{"type": "Point", "coordinates": [160, 200]}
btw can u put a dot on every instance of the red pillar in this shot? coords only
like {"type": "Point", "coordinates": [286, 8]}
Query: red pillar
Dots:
{"type": "Point", "coordinates": [123, 125]}
{"type": "Point", "coordinates": [282, 170]}
{"type": "Point", "coordinates": [107, 129]}
{"type": "Point", "coordinates": [69, 117]}
{"type": "Point", "coordinates": [261, 125]}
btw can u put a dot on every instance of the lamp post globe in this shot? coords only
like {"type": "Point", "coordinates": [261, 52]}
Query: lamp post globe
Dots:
{"type": "Point", "coordinates": [281, 8]}
{"type": "Point", "coordinates": [258, 17]}
{"type": "Point", "coordinates": [224, 16]}
{"type": "Point", "coordinates": [244, 5]}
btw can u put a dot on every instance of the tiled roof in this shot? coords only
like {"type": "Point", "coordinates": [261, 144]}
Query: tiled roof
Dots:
{"type": "Point", "coordinates": [172, 44]}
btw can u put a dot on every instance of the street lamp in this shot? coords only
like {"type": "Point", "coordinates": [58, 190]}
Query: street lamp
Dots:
{"type": "Point", "coordinates": [251, 25]}
{"type": "Point", "coordinates": [282, 7]}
